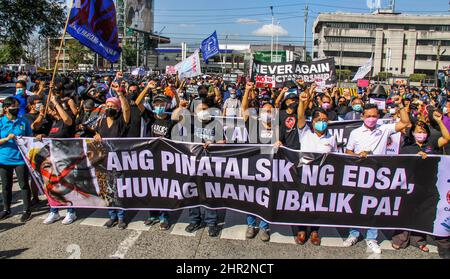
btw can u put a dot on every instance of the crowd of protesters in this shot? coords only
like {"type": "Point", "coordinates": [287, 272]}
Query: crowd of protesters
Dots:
{"type": "Point", "coordinates": [94, 106]}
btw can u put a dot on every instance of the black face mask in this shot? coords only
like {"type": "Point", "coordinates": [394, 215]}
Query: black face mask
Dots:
{"type": "Point", "coordinates": [203, 94]}
{"type": "Point", "coordinates": [111, 112]}
{"type": "Point", "coordinates": [133, 95]}
{"type": "Point", "coordinates": [293, 106]}
{"type": "Point", "coordinates": [13, 111]}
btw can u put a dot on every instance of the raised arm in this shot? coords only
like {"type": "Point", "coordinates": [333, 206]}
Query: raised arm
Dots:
{"type": "Point", "coordinates": [64, 116]}
{"type": "Point", "coordinates": [280, 97]}
{"type": "Point", "coordinates": [445, 138]}
{"type": "Point", "coordinates": [124, 102]}
{"type": "Point", "coordinates": [141, 96]}
{"type": "Point", "coordinates": [404, 117]}
{"type": "Point", "coordinates": [244, 105]}
{"type": "Point", "coordinates": [303, 103]}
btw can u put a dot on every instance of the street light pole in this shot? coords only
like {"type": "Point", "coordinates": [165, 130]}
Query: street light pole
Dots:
{"type": "Point", "coordinates": [271, 41]}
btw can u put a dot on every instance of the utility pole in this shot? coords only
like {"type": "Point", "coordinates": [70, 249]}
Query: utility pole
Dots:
{"type": "Point", "coordinates": [304, 35]}
{"type": "Point", "coordinates": [438, 58]}
{"type": "Point", "coordinates": [276, 45]}
{"type": "Point", "coordinates": [371, 67]}
{"type": "Point", "coordinates": [340, 65]}
{"type": "Point", "coordinates": [48, 53]}
{"type": "Point", "coordinates": [271, 41]}
{"type": "Point", "coordinates": [388, 63]}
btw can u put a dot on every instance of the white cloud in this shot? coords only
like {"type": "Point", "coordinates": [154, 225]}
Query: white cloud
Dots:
{"type": "Point", "coordinates": [266, 30]}
{"type": "Point", "coordinates": [246, 21]}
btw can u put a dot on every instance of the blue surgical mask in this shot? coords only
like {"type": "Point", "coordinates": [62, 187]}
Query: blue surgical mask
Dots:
{"type": "Point", "coordinates": [357, 107]}
{"type": "Point", "coordinates": [320, 126]}
{"type": "Point", "coordinates": [159, 110]}
{"type": "Point", "coordinates": [19, 91]}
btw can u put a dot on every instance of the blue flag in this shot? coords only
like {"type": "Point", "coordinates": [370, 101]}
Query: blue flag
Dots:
{"type": "Point", "coordinates": [209, 47]}
{"type": "Point", "coordinates": [93, 23]}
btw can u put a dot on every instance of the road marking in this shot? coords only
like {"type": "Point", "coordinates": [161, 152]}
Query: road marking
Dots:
{"type": "Point", "coordinates": [281, 234]}
{"type": "Point", "coordinates": [97, 219]}
{"type": "Point", "coordinates": [137, 223]}
{"type": "Point", "coordinates": [330, 237]}
{"type": "Point", "coordinates": [233, 227]}
{"type": "Point", "coordinates": [126, 244]}
{"type": "Point", "coordinates": [181, 224]}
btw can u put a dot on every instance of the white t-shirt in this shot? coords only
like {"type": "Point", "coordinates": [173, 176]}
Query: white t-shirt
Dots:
{"type": "Point", "coordinates": [311, 142]}
{"type": "Point", "coordinates": [375, 141]}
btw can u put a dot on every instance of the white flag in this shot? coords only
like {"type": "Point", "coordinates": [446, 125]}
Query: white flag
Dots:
{"type": "Point", "coordinates": [190, 67]}
{"type": "Point", "coordinates": [363, 70]}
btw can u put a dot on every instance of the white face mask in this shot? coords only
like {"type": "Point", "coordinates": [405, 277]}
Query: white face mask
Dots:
{"type": "Point", "coordinates": [392, 111]}
{"type": "Point", "coordinates": [445, 110]}
{"type": "Point", "coordinates": [204, 115]}
{"type": "Point", "coordinates": [38, 107]}
{"type": "Point", "coordinates": [233, 96]}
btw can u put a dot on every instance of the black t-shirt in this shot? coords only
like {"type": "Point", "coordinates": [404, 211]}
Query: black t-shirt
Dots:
{"type": "Point", "coordinates": [157, 127]}
{"type": "Point", "coordinates": [40, 129]}
{"type": "Point", "coordinates": [118, 129]}
{"type": "Point", "coordinates": [332, 115]}
{"type": "Point", "coordinates": [134, 130]}
{"type": "Point", "coordinates": [59, 129]}
{"type": "Point", "coordinates": [289, 130]}
{"type": "Point", "coordinates": [430, 146]}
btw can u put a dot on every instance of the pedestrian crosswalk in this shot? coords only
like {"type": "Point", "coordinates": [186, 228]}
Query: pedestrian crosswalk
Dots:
{"type": "Point", "coordinates": [234, 227]}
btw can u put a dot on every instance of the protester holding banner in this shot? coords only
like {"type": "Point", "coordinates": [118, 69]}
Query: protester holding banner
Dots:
{"type": "Point", "coordinates": [114, 125]}
{"type": "Point", "coordinates": [319, 140]}
{"type": "Point", "coordinates": [63, 126]}
{"type": "Point", "coordinates": [12, 126]}
{"type": "Point", "coordinates": [159, 124]}
{"type": "Point", "coordinates": [371, 138]}
{"type": "Point", "coordinates": [288, 116]}
{"type": "Point", "coordinates": [419, 142]}
{"type": "Point", "coordinates": [260, 131]}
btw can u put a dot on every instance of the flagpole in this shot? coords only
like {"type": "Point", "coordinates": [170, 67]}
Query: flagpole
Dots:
{"type": "Point", "coordinates": [57, 58]}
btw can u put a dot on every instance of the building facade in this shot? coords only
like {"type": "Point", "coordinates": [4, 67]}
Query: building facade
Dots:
{"type": "Point", "coordinates": [401, 44]}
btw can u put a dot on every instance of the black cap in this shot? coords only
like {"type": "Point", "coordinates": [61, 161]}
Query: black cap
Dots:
{"type": "Point", "coordinates": [161, 98]}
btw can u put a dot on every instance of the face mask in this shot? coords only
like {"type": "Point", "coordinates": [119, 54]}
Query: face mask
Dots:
{"type": "Point", "coordinates": [38, 107]}
{"type": "Point", "coordinates": [265, 117]}
{"type": "Point", "coordinates": [326, 106]}
{"type": "Point", "coordinates": [13, 111]}
{"type": "Point", "coordinates": [392, 111]}
{"type": "Point", "coordinates": [357, 107]}
{"type": "Point", "coordinates": [204, 115]}
{"type": "Point", "coordinates": [147, 99]}
{"type": "Point", "coordinates": [233, 96]}
{"type": "Point", "coordinates": [159, 110]}
{"type": "Point", "coordinates": [445, 110]}
{"type": "Point", "coordinates": [371, 122]}
{"type": "Point", "coordinates": [111, 112]}
{"type": "Point", "coordinates": [133, 95]}
{"type": "Point", "coordinates": [420, 137]}
{"type": "Point", "coordinates": [320, 126]}
{"type": "Point", "coordinates": [293, 106]}
{"type": "Point", "coordinates": [19, 91]}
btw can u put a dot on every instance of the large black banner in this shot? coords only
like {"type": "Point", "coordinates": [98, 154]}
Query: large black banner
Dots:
{"type": "Point", "coordinates": [321, 72]}
{"type": "Point", "coordinates": [281, 186]}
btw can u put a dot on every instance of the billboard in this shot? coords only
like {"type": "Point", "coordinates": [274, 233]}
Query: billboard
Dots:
{"type": "Point", "coordinates": [139, 14]}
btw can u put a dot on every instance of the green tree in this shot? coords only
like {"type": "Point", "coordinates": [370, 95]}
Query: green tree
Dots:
{"type": "Point", "coordinates": [76, 53]}
{"type": "Point", "coordinates": [19, 19]}
{"type": "Point", "coordinates": [129, 53]}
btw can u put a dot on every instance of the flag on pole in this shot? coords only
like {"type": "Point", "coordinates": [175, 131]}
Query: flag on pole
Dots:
{"type": "Point", "coordinates": [363, 70]}
{"type": "Point", "coordinates": [93, 23]}
{"type": "Point", "coordinates": [209, 47]}
{"type": "Point", "coordinates": [190, 67]}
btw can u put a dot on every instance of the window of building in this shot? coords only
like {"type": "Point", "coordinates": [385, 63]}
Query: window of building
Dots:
{"type": "Point", "coordinates": [406, 42]}
{"type": "Point", "coordinates": [384, 41]}
{"type": "Point", "coordinates": [404, 56]}
{"type": "Point", "coordinates": [403, 70]}
{"type": "Point", "coordinates": [350, 40]}
{"type": "Point", "coordinates": [396, 68]}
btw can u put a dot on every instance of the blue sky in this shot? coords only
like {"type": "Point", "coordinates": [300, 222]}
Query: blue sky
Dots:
{"type": "Point", "coordinates": [193, 20]}
{"type": "Point", "coordinates": [244, 20]}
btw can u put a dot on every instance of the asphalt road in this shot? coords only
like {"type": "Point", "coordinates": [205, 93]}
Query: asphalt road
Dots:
{"type": "Point", "coordinates": [86, 238]}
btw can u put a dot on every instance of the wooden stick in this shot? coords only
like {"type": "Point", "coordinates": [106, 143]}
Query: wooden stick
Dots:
{"type": "Point", "coordinates": [57, 60]}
